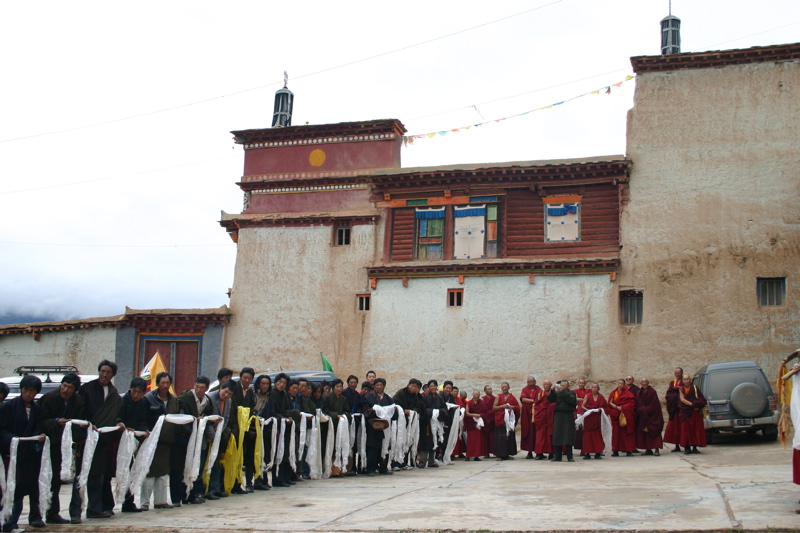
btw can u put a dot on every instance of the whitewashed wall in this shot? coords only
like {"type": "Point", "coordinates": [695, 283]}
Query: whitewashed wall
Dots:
{"type": "Point", "coordinates": [83, 348]}
{"type": "Point", "coordinates": [714, 195]}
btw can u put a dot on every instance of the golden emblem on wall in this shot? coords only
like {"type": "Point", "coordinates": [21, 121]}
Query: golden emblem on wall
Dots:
{"type": "Point", "coordinates": [317, 158]}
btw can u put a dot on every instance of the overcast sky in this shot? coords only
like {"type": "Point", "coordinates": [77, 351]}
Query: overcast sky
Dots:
{"type": "Point", "coordinates": [115, 152]}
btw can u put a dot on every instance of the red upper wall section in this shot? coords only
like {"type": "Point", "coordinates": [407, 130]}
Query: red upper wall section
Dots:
{"type": "Point", "coordinates": [320, 148]}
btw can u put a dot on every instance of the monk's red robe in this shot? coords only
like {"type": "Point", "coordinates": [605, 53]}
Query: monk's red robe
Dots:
{"type": "Point", "coordinates": [543, 412]}
{"type": "Point", "coordinates": [672, 397]}
{"type": "Point", "coordinates": [592, 425]}
{"type": "Point", "coordinates": [488, 420]}
{"type": "Point", "coordinates": [527, 439]}
{"type": "Point", "coordinates": [623, 439]}
{"type": "Point", "coordinates": [477, 443]}
{"type": "Point", "coordinates": [580, 393]}
{"type": "Point", "coordinates": [691, 416]}
{"type": "Point", "coordinates": [649, 420]}
{"type": "Point", "coordinates": [505, 442]}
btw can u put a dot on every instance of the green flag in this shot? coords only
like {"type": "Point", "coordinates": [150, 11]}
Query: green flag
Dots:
{"type": "Point", "coordinates": [326, 365]}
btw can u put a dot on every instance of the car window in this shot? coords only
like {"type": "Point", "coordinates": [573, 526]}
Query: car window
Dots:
{"type": "Point", "coordinates": [718, 385]}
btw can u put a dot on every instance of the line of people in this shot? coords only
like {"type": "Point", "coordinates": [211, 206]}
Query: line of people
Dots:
{"type": "Point", "coordinates": [255, 434]}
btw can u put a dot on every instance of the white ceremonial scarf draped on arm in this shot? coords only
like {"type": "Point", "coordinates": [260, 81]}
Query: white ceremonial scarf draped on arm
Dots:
{"type": "Point", "coordinates": [141, 466]}
{"type": "Point", "coordinates": [127, 447]}
{"type": "Point", "coordinates": [313, 457]}
{"type": "Point", "coordinates": [327, 460]}
{"type": "Point", "coordinates": [605, 426]}
{"type": "Point", "coordinates": [92, 436]}
{"type": "Point", "coordinates": [44, 481]}
{"type": "Point", "coordinates": [67, 457]}
{"type": "Point", "coordinates": [794, 408]}
{"type": "Point", "coordinates": [214, 451]}
{"type": "Point", "coordinates": [360, 460]}
{"type": "Point", "coordinates": [281, 442]}
{"type": "Point", "coordinates": [399, 436]}
{"type": "Point", "coordinates": [437, 429]}
{"type": "Point", "coordinates": [510, 420]}
{"type": "Point", "coordinates": [455, 432]}
{"type": "Point", "coordinates": [342, 446]}
{"type": "Point", "coordinates": [266, 465]}
{"type": "Point", "coordinates": [194, 451]}
{"type": "Point", "coordinates": [412, 437]}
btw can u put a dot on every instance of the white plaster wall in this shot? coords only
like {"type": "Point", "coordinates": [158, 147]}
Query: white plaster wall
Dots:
{"type": "Point", "coordinates": [714, 193]}
{"type": "Point", "coordinates": [294, 296]}
{"type": "Point", "coordinates": [83, 348]}
{"type": "Point", "coordinates": [507, 328]}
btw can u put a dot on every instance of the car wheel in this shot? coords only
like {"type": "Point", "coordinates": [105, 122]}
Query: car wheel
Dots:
{"type": "Point", "coordinates": [748, 399]}
{"type": "Point", "coordinates": [770, 433]}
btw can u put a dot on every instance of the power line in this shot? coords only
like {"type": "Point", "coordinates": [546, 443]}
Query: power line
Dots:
{"type": "Point", "coordinates": [183, 165]}
{"type": "Point", "coordinates": [118, 245]}
{"type": "Point", "coordinates": [369, 58]}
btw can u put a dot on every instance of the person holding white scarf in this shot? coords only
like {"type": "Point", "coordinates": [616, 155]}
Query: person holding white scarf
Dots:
{"type": "Point", "coordinates": [160, 402]}
{"type": "Point", "coordinates": [193, 402]}
{"type": "Point", "coordinates": [375, 437]}
{"type": "Point", "coordinates": [18, 418]}
{"type": "Point", "coordinates": [59, 406]}
{"type": "Point", "coordinates": [221, 405]}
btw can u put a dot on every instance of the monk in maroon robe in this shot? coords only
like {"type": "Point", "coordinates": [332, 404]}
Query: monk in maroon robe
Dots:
{"type": "Point", "coordinates": [622, 404]}
{"type": "Point", "coordinates": [673, 432]}
{"type": "Point", "coordinates": [649, 419]}
{"type": "Point", "coordinates": [693, 433]}
{"type": "Point", "coordinates": [527, 397]}
{"type": "Point", "coordinates": [580, 392]}
{"type": "Point", "coordinates": [593, 442]}
{"type": "Point", "coordinates": [543, 413]}
{"type": "Point", "coordinates": [488, 418]}
{"type": "Point", "coordinates": [505, 441]}
{"type": "Point", "coordinates": [477, 444]}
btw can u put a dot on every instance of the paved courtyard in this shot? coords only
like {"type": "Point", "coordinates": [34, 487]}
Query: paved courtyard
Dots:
{"type": "Point", "coordinates": [739, 483]}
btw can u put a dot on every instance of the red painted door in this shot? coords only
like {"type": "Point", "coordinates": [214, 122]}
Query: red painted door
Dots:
{"type": "Point", "coordinates": [186, 359]}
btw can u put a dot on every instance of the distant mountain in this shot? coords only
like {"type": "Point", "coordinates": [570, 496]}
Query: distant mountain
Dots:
{"type": "Point", "coordinates": [25, 319]}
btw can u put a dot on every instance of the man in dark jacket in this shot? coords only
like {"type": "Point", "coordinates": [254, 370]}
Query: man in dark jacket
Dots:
{"type": "Point", "coordinates": [376, 461]}
{"type": "Point", "coordinates": [221, 405]}
{"type": "Point", "coordinates": [19, 418]}
{"type": "Point", "coordinates": [245, 396]}
{"type": "Point", "coordinates": [282, 471]}
{"type": "Point", "coordinates": [160, 401]}
{"type": "Point", "coordinates": [409, 399]}
{"type": "Point", "coordinates": [102, 402]}
{"type": "Point", "coordinates": [193, 402]}
{"type": "Point", "coordinates": [59, 406]}
{"type": "Point", "coordinates": [431, 401]}
{"type": "Point", "coordinates": [563, 420]}
{"type": "Point", "coordinates": [133, 416]}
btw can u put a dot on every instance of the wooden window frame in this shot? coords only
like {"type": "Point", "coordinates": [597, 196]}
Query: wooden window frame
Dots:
{"type": "Point", "coordinates": [363, 302]}
{"type": "Point", "coordinates": [771, 292]}
{"type": "Point", "coordinates": [347, 228]}
{"type": "Point", "coordinates": [455, 297]}
{"type": "Point", "coordinates": [631, 307]}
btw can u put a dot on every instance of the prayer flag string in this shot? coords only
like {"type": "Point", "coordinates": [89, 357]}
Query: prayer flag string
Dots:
{"type": "Point", "coordinates": [409, 139]}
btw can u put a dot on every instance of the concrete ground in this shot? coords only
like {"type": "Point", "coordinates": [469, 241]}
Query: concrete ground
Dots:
{"type": "Point", "coordinates": [741, 483]}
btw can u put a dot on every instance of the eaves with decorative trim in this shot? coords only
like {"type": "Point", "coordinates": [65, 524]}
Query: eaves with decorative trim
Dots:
{"type": "Point", "coordinates": [505, 268]}
{"type": "Point", "coordinates": [716, 59]}
{"type": "Point", "coordinates": [310, 188]}
{"type": "Point", "coordinates": [373, 130]}
{"type": "Point", "coordinates": [235, 223]}
{"type": "Point", "coordinates": [508, 176]}
{"type": "Point", "coordinates": [329, 175]}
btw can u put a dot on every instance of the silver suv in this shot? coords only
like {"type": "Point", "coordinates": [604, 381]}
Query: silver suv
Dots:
{"type": "Point", "coordinates": [50, 376]}
{"type": "Point", "coordinates": [739, 398]}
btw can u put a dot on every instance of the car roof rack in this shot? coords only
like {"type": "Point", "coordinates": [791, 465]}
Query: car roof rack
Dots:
{"type": "Point", "coordinates": [44, 369]}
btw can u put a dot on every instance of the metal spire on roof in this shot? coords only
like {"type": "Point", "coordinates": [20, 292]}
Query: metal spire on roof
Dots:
{"type": "Point", "coordinates": [670, 33]}
{"type": "Point", "coordinates": [284, 102]}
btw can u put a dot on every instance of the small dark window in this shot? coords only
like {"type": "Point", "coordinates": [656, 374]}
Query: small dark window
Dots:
{"type": "Point", "coordinates": [363, 302]}
{"type": "Point", "coordinates": [630, 307]}
{"type": "Point", "coordinates": [342, 237]}
{"type": "Point", "coordinates": [455, 297]}
{"type": "Point", "coordinates": [771, 291]}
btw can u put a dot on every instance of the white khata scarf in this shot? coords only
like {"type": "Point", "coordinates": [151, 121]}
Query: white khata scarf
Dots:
{"type": "Point", "coordinates": [194, 450]}
{"type": "Point", "coordinates": [92, 436]}
{"type": "Point", "coordinates": [479, 422]}
{"type": "Point", "coordinates": [342, 450]}
{"type": "Point", "coordinates": [399, 436]}
{"type": "Point", "coordinates": [359, 441]}
{"type": "Point", "coordinates": [281, 443]}
{"type": "Point", "coordinates": [511, 420]}
{"type": "Point", "coordinates": [437, 429]}
{"type": "Point", "coordinates": [327, 460]}
{"type": "Point", "coordinates": [272, 430]}
{"type": "Point", "coordinates": [67, 457]}
{"type": "Point", "coordinates": [141, 466]}
{"type": "Point", "coordinates": [313, 458]}
{"type": "Point", "coordinates": [214, 451]}
{"type": "Point", "coordinates": [10, 485]}
{"type": "Point", "coordinates": [412, 437]}
{"type": "Point", "coordinates": [127, 447]}
{"type": "Point", "coordinates": [605, 426]}
{"type": "Point", "coordinates": [385, 413]}
{"type": "Point", "coordinates": [293, 447]}
{"type": "Point", "coordinates": [455, 431]}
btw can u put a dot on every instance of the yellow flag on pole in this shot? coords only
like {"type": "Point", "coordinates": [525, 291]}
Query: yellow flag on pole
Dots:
{"type": "Point", "coordinates": [153, 368]}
